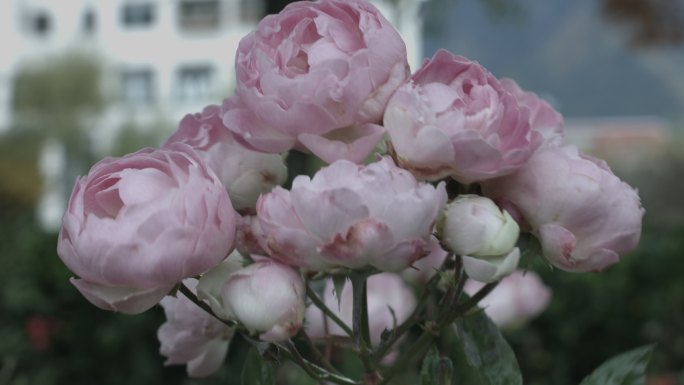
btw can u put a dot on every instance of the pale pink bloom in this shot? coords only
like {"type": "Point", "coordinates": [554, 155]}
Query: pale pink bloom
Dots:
{"type": "Point", "coordinates": [246, 174]}
{"type": "Point", "coordinates": [191, 336]}
{"type": "Point", "coordinates": [423, 269]}
{"type": "Point", "coordinates": [249, 237]}
{"type": "Point", "coordinates": [584, 216]}
{"type": "Point", "coordinates": [266, 297]}
{"type": "Point", "coordinates": [543, 117]}
{"type": "Point", "coordinates": [136, 226]}
{"type": "Point", "coordinates": [387, 294]}
{"type": "Point", "coordinates": [518, 298]}
{"type": "Point", "coordinates": [351, 216]}
{"type": "Point", "coordinates": [317, 77]}
{"type": "Point", "coordinates": [456, 119]}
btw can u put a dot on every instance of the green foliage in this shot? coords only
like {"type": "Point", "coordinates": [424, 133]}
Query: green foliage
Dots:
{"type": "Point", "coordinates": [257, 370]}
{"type": "Point", "coordinates": [436, 370]}
{"type": "Point", "coordinates": [481, 354]}
{"type": "Point", "coordinates": [51, 335]}
{"type": "Point", "coordinates": [593, 316]}
{"type": "Point", "coordinates": [18, 164]}
{"type": "Point", "coordinates": [626, 369]}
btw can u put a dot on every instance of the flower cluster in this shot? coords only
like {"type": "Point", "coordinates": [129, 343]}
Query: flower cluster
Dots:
{"type": "Point", "coordinates": [472, 161]}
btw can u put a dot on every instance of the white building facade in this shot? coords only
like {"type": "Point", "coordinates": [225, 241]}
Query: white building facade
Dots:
{"type": "Point", "coordinates": [161, 59]}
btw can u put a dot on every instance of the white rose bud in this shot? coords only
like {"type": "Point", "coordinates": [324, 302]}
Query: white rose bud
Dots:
{"type": "Point", "coordinates": [484, 235]}
{"type": "Point", "coordinates": [475, 226]}
{"type": "Point", "coordinates": [490, 269]}
{"type": "Point", "coordinates": [267, 297]}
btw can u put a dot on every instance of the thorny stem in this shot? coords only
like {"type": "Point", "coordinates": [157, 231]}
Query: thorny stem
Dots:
{"type": "Point", "coordinates": [360, 310]}
{"type": "Point", "coordinates": [203, 305]}
{"type": "Point", "coordinates": [462, 308]}
{"type": "Point", "coordinates": [320, 374]}
{"type": "Point", "coordinates": [317, 353]}
{"type": "Point", "coordinates": [399, 331]}
{"type": "Point", "coordinates": [418, 349]}
{"type": "Point", "coordinates": [326, 310]}
{"type": "Point", "coordinates": [360, 320]}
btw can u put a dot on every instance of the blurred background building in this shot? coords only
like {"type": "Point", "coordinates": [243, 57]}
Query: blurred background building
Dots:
{"type": "Point", "coordinates": [147, 63]}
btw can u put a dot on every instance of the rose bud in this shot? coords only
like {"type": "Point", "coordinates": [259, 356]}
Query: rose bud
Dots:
{"type": "Point", "coordinates": [390, 302]}
{"type": "Point", "coordinates": [267, 297]}
{"type": "Point", "coordinates": [584, 216]}
{"type": "Point", "coordinates": [475, 226]}
{"type": "Point", "coordinates": [351, 216]}
{"type": "Point", "coordinates": [136, 226]}
{"type": "Point", "coordinates": [491, 268]}
{"type": "Point", "coordinates": [518, 298]}
{"type": "Point", "coordinates": [484, 235]}
{"type": "Point", "coordinates": [246, 174]}
{"type": "Point", "coordinates": [543, 118]}
{"type": "Point", "coordinates": [317, 77]}
{"type": "Point", "coordinates": [456, 119]}
{"type": "Point", "coordinates": [192, 336]}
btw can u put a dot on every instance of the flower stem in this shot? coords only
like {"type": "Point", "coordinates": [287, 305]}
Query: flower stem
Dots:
{"type": "Point", "coordinates": [203, 305]}
{"type": "Point", "coordinates": [418, 349]}
{"type": "Point", "coordinates": [415, 316]}
{"type": "Point", "coordinates": [468, 304]}
{"type": "Point", "coordinates": [317, 353]}
{"type": "Point", "coordinates": [360, 310]}
{"type": "Point", "coordinates": [290, 352]}
{"type": "Point", "coordinates": [360, 322]}
{"type": "Point", "coordinates": [326, 310]}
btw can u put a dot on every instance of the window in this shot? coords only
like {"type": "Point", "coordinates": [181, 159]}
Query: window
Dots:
{"type": "Point", "coordinates": [89, 21]}
{"type": "Point", "coordinates": [252, 10]}
{"type": "Point", "coordinates": [199, 14]}
{"type": "Point", "coordinates": [137, 14]}
{"type": "Point", "coordinates": [138, 86]}
{"type": "Point", "coordinates": [194, 83]}
{"type": "Point", "coordinates": [40, 23]}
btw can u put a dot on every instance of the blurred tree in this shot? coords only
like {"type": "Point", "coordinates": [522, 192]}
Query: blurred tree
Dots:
{"type": "Point", "coordinates": [654, 21]}
{"type": "Point", "coordinates": [53, 96]}
{"type": "Point", "coordinates": [18, 163]}
{"type": "Point", "coordinates": [275, 6]}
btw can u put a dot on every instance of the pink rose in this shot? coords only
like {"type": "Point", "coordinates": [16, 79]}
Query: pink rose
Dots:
{"type": "Point", "coordinates": [316, 77]}
{"type": "Point", "coordinates": [246, 174]}
{"type": "Point", "coordinates": [456, 119]}
{"type": "Point", "coordinates": [266, 297]}
{"type": "Point", "coordinates": [518, 298]}
{"type": "Point", "coordinates": [543, 118]}
{"type": "Point", "coordinates": [192, 336]}
{"type": "Point", "coordinates": [136, 226]}
{"type": "Point", "coordinates": [385, 291]}
{"type": "Point", "coordinates": [584, 216]}
{"type": "Point", "coordinates": [351, 216]}
{"type": "Point", "coordinates": [423, 269]}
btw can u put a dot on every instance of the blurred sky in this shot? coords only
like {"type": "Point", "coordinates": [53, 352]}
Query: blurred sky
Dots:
{"type": "Point", "coordinates": [583, 55]}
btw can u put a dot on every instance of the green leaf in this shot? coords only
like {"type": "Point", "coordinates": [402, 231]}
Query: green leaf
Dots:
{"type": "Point", "coordinates": [257, 370]}
{"type": "Point", "coordinates": [436, 370]}
{"type": "Point", "coordinates": [480, 353]}
{"type": "Point", "coordinates": [338, 282]}
{"type": "Point", "coordinates": [628, 368]}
